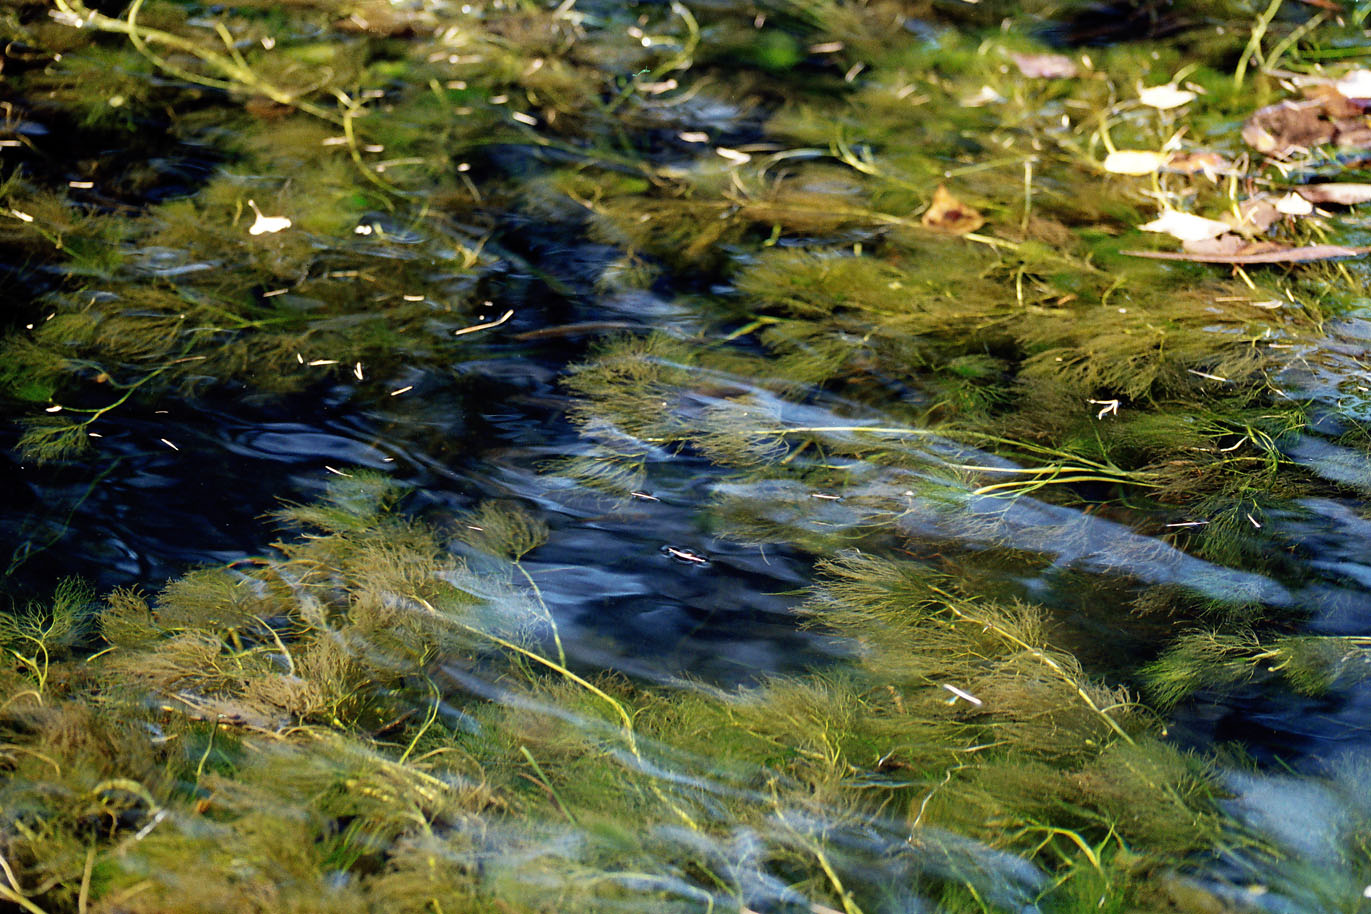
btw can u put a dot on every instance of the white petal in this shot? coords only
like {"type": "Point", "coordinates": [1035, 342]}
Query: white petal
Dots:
{"type": "Point", "coordinates": [1356, 84]}
{"type": "Point", "coordinates": [1185, 226]}
{"type": "Point", "coordinates": [1133, 162]}
{"type": "Point", "coordinates": [1164, 97]}
{"type": "Point", "coordinates": [1294, 205]}
{"type": "Point", "coordinates": [269, 225]}
{"type": "Point", "coordinates": [266, 225]}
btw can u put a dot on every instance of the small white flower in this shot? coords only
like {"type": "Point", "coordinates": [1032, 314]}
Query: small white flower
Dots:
{"type": "Point", "coordinates": [1164, 97]}
{"type": "Point", "coordinates": [1133, 162]}
{"type": "Point", "coordinates": [1294, 205]}
{"type": "Point", "coordinates": [266, 225]}
{"type": "Point", "coordinates": [1186, 227]}
{"type": "Point", "coordinates": [1355, 84]}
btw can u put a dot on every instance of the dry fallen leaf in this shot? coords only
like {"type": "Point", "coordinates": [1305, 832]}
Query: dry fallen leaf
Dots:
{"type": "Point", "coordinates": [1133, 162]}
{"type": "Point", "coordinates": [948, 214]}
{"type": "Point", "coordinates": [1259, 253]}
{"type": "Point", "coordinates": [1045, 66]}
{"type": "Point", "coordinates": [1185, 226]}
{"type": "Point", "coordinates": [1279, 130]}
{"type": "Point", "coordinates": [1224, 245]}
{"type": "Point", "coordinates": [1341, 194]}
{"type": "Point", "coordinates": [1335, 104]}
{"type": "Point", "coordinates": [1210, 164]}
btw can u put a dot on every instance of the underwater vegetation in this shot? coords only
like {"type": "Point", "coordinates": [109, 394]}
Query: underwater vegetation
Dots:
{"type": "Point", "coordinates": [1033, 330]}
{"type": "Point", "coordinates": [362, 719]}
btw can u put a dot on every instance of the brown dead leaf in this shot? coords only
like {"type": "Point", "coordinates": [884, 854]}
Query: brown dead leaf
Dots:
{"type": "Point", "coordinates": [1210, 164]}
{"type": "Point", "coordinates": [1327, 116]}
{"type": "Point", "coordinates": [1352, 134]}
{"type": "Point", "coordinates": [1334, 103]}
{"type": "Point", "coordinates": [1279, 130]}
{"type": "Point", "coordinates": [1045, 66]}
{"type": "Point", "coordinates": [380, 18]}
{"type": "Point", "coordinates": [948, 214]}
{"type": "Point", "coordinates": [1259, 253]}
{"type": "Point", "coordinates": [1224, 245]}
{"type": "Point", "coordinates": [1340, 194]}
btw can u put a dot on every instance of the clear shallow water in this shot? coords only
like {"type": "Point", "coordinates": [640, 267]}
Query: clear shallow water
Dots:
{"type": "Point", "coordinates": [700, 576]}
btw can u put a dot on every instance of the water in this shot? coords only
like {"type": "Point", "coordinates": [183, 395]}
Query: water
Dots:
{"type": "Point", "coordinates": [758, 546]}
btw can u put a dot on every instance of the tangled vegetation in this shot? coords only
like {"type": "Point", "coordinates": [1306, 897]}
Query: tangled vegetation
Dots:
{"type": "Point", "coordinates": [902, 274]}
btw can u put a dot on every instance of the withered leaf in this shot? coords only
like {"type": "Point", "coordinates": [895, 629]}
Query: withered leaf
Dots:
{"type": "Point", "coordinates": [1045, 66]}
{"type": "Point", "coordinates": [1335, 104]}
{"type": "Point", "coordinates": [1340, 194]}
{"type": "Point", "coordinates": [1259, 253]}
{"type": "Point", "coordinates": [1279, 130]}
{"type": "Point", "coordinates": [1224, 245]}
{"type": "Point", "coordinates": [948, 214]}
{"type": "Point", "coordinates": [1210, 164]}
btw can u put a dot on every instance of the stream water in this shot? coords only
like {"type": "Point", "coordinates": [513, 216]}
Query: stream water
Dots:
{"type": "Point", "coordinates": [803, 549]}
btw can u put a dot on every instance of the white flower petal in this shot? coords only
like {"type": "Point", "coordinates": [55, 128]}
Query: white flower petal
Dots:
{"type": "Point", "coordinates": [266, 225]}
{"type": "Point", "coordinates": [1186, 227]}
{"type": "Point", "coordinates": [269, 225]}
{"type": "Point", "coordinates": [1355, 84]}
{"type": "Point", "coordinates": [1294, 205]}
{"type": "Point", "coordinates": [1133, 162]}
{"type": "Point", "coordinates": [1164, 97]}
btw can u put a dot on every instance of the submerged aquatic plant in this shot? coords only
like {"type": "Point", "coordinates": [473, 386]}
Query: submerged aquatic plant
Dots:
{"type": "Point", "coordinates": [359, 716]}
{"type": "Point", "coordinates": [960, 419]}
{"type": "Point", "coordinates": [1311, 664]}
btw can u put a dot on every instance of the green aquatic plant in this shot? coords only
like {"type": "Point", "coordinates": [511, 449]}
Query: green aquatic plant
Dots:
{"type": "Point", "coordinates": [989, 442]}
{"type": "Point", "coordinates": [1223, 661]}
{"type": "Point", "coordinates": [352, 717]}
{"type": "Point", "coordinates": [35, 636]}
